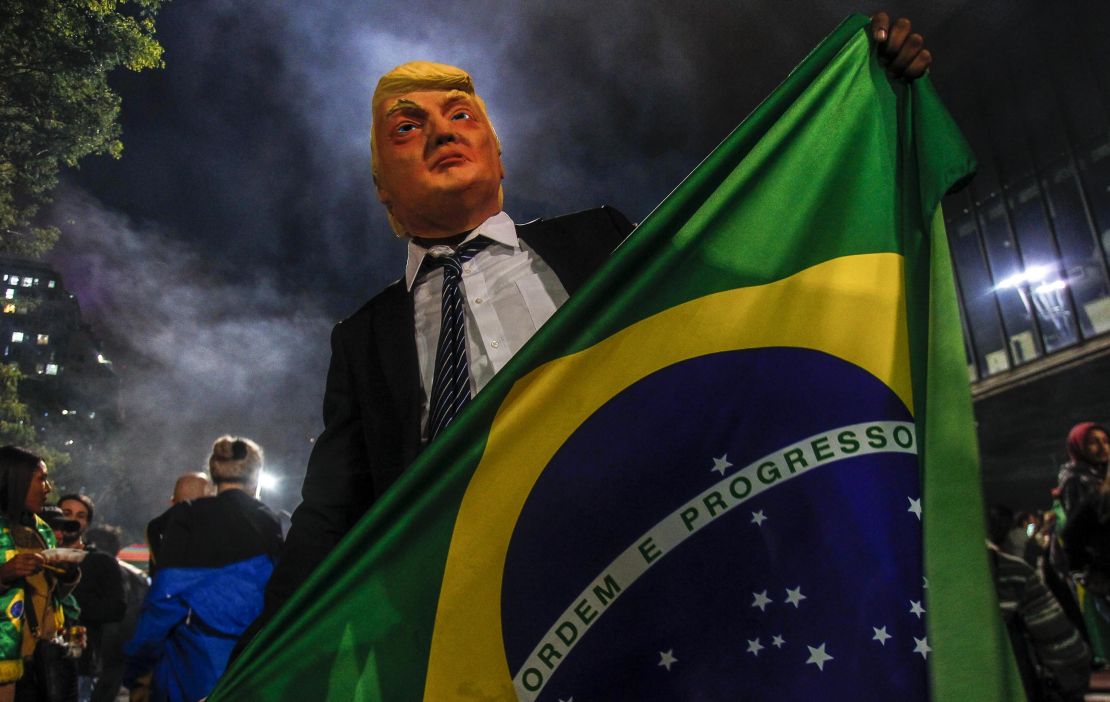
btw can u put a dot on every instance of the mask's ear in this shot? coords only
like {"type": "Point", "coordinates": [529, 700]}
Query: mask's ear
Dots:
{"type": "Point", "coordinates": [384, 197]}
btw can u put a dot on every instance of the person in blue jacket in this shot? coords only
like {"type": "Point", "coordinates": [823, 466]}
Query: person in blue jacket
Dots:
{"type": "Point", "coordinates": [217, 554]}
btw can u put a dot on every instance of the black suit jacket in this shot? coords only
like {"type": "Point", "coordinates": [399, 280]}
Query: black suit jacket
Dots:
{"type": "Point", "coordinates": [372, 399]}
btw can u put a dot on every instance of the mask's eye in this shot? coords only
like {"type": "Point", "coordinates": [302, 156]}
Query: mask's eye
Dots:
{"type": "Point", "coordinates": [462, 114]}
{"type": "Point", "coordinates": [405, 127]}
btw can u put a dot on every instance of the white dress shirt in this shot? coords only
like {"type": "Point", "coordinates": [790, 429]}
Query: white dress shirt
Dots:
{"type": "Point", "coordinates": [508, 293]}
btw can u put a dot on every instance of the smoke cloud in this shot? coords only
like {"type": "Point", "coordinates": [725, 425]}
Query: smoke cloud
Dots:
{"type": "Point", "coordinates": [202, 347]}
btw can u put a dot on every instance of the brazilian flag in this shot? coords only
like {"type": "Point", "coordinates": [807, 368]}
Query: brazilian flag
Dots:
{"type": "Point", "coordinates": [738, 465]}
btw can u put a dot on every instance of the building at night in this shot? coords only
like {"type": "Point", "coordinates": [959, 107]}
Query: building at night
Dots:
{"type": "Point", "coordinates": [1030, 235]}
{"type": "Point", "coordinates": [70, 389]}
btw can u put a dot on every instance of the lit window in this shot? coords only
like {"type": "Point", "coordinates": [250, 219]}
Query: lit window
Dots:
{"type": "Point", "coordinates": [42, 339]}
{"type": "Point", "coordinates": [92, 415]}
{"type": "Point", "coordinates": [5, 277]}
{"type": "Point", "coordinates": [36, 281]}
{"type": "Point", "coordinates": [51, 368]}
{"type": "Point", "coordinates": [17, 337]}
{"type": "Point", "coordinates": [26, 282]}
{"type": "Point", "coordinates": [9, 308]}
{"type": "Point", "coordinates": [38, 368]}
{"type": "Point", "coordinates": [9, 294]}
{"type": "Point", "coordinates": [50, 283]}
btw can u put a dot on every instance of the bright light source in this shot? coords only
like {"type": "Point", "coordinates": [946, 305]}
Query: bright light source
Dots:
{"type": "Point", "coordinates": [268, 482]}
{"type": "Point", "coordinates": [1032, 274]}
{"type": "Point", "coordinates": [1053, 286]}
{"type": "Point", "coordinates": [100, 358]}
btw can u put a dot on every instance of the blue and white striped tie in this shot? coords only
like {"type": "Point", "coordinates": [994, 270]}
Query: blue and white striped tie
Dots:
{"type": "Point", "coordinates": [451, 380]}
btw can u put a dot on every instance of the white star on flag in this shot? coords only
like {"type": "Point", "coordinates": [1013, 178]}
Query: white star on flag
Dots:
{"type": "Point", "coordinates": [721, 464]}
{"type": "Point", "coordinates": [778, 641]}
{"type": "Point", "coordinates": [666, 659]}
{"type": "Point", "coordinates": [924, 583]}
{"type": "Point", "coordinates": [754, 647]}
{"type": "Point", "coordinates": [795, 596]}
{"type": "Point", "coordinates": [880, 635]}
{"type": "Point", "coordinates": [761, 600]}
{"type": "Point", "coordinates": [758, 518]}
{"type": "Point", "coordinates": [915, 506]}
{"type": "Point", "coordinates": [916, 609]}
{"type": "Point", "coordinates": [922, 646]}
{"type": "Point", "coordinates": [818, 656]}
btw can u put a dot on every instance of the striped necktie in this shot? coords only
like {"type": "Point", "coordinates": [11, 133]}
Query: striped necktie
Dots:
{"type": "Point", "coordinates": [451, 380]}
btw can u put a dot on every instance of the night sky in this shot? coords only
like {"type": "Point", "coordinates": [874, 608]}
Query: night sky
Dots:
{"type": "Point", "coordinates": [241, 222]}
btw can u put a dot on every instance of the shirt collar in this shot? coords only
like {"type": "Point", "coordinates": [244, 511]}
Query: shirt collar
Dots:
{"type": "Point", "coordinates": [499, 228]}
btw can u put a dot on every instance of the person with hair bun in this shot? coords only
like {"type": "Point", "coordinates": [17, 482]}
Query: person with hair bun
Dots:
{"type": "Point", "coordinates": [217, 554]}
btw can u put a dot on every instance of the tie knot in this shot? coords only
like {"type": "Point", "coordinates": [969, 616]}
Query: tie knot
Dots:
{"type": "Point", "coordinates": [452, 263]}
{"type": "Point", "coordinates": [439, 255]}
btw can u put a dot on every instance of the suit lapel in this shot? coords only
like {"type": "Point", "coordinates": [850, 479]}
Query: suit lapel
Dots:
{"type": "Point", "coordinates": [395, 340]}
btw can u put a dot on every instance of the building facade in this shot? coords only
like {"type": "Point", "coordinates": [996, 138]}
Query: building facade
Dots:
{"type": "Point", "coordinates": [69, 387]}
{"type": "Point", "coordinates": [1030, 235]}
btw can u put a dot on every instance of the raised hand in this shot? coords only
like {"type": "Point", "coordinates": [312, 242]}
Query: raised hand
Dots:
{"type": "Point", "coordinates": [902, 52]}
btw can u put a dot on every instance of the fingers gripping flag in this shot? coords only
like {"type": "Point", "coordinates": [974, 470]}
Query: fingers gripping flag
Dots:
{"type": "Point", "coordinates": [739, 464]}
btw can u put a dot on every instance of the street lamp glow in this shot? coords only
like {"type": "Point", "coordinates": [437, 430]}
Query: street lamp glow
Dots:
{"type": "Point", "coordinates": [1032, 274]}
{"type": "Point", "coordinates": [268, 482]}
{"type": "Point", "coordinates": [1053, 286]}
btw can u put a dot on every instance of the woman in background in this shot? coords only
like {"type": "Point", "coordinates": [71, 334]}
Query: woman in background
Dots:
{"type": "Point", "coordinates": [33, 661]}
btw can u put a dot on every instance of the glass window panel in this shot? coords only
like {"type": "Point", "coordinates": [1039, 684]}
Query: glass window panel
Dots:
{"type": "Point", "coordinates": [1006, 270]}
{"type": "Point", "coordinates": [978, 297]}
{"type": "Point", "coordinates": [1084, 273]}
{"type": "Point", "coordinates": [972, 372]}
{"type": "Point", "coordinates": [1094, 168]}
{"type": "Point", "coordinates": [1043, 284]}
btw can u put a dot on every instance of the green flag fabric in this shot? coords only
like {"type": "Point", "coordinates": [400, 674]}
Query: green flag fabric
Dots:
{"type": "Point", "coordinates": [738, 464]}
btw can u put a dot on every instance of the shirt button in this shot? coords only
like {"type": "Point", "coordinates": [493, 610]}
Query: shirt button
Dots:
{"type": "Point", "coordinates": [477, 301]}
{"type": "Point", "coordinates": [495, 343]}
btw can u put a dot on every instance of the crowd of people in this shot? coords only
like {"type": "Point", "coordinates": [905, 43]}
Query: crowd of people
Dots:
{"type": "Point", "coordinates": [1052, 572]}
{"type": "Point", "coordinates": [80, 625]}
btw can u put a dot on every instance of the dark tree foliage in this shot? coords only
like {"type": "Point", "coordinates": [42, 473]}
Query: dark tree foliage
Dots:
{"type": "Point", "coordinates": [55, 103]}
{"type": "Point", "coordinates": [16, 427]}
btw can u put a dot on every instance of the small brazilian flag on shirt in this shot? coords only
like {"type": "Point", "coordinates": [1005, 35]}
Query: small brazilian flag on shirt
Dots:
{"type": "Point", "coordinates": [738, 465]}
